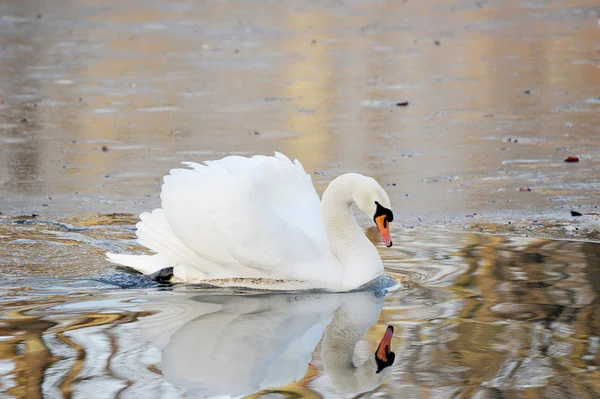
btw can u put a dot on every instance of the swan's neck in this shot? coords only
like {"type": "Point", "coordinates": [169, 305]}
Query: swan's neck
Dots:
{"type": "Point", "coordinates": [348, 326]}
{"type": "Point", "coordinates": [358, 256]}
{"type": "Point", "coordinates": [339, 344]}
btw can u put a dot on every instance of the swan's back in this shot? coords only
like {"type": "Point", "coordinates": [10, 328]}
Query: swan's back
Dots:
{"type": "Point", "coordinates": [237, 217]}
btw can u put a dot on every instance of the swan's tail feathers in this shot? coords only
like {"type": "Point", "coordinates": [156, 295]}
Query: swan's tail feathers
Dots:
{"type": "Point", "coordinates": [153, 232]}
{"type": "Point", "coordinates": [146, 264]}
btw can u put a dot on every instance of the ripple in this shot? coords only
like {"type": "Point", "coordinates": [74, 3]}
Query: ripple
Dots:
{"type": "Point", "coordinates": [519, 305]}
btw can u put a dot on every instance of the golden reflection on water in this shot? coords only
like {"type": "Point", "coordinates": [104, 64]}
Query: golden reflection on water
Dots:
{"type": "Point", "coordinates": [308, 83]}
{"type": "Point", "coordinates": [526, 321]}
{"type": "Point", "coordinates": [30, 354]}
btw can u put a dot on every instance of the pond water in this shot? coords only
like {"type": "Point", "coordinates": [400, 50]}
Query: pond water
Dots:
{"type": "Point", "coordinates": [476, 316]}
{"type": "Point", "coordinates": [464, 111]}
{"type": "Point", "coordinates": [99, 100]}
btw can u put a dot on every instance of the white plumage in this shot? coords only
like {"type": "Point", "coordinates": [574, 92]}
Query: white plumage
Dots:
{"type": "Point", "coordinates": [233, 346]}
{"type": "Point", "coordinates": [257, 222]}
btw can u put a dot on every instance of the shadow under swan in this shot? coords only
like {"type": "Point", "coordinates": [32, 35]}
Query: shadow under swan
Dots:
{"type": "Point", "coordinates": [238, 345]}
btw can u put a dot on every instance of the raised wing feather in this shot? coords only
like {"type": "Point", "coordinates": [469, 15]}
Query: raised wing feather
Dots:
{"type": "Point", "coordinates": [247, 217]}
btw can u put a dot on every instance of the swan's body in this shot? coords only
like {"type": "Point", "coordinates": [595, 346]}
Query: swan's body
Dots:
{"type": "Point", "coordinates": [232, 346]}
{"type": "Point", "coordinates": [259, 222]}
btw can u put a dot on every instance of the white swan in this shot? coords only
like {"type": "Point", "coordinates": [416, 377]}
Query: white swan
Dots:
{"type": "Point", "coordinates": [258, 222]}
{"type": "Point", "coordinates": [232, 346]}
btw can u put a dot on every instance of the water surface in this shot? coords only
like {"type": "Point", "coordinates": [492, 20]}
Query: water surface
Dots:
{"type": "Point", "coordinates": [99, 99]}
{"type": "Point", "coordinates": [479, 316]}
{"type": "Point", "coordinates": [499, 93]}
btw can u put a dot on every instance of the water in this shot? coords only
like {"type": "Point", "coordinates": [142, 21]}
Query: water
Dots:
{"type": "Point", "coordinates": [477, 316]}
{"type": "Point", "coordinates": [98, 100]}
{"type": "Point", "coordinates": [489, 86]}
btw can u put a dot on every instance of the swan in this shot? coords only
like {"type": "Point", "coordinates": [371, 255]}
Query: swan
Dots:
{"type": "Point", "coordinates": [258, 222]}
{"type": "Point", "coordinates": [236, 345]}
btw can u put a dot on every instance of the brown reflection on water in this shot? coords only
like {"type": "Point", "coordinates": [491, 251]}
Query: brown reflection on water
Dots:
{"type": "Point", "coordinates": [25, 344]}
{"type": "Point", "coordinates": [297, 389]}
{"type": "Point", "coordinates": [521, 321]}
{"type": "Point", "coordinates": [28, 352]}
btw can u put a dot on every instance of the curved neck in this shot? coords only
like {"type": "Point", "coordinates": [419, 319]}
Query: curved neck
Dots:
{"type": "Point", "coordinates": [348, 242]}
{"type": "Point", "coordinates": [348, 327]}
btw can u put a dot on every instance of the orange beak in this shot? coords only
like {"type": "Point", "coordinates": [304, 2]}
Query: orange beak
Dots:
{"type": "Point", "coordinates": [384, 230]}
{"type": "Point", "coordinates": [385, 346]}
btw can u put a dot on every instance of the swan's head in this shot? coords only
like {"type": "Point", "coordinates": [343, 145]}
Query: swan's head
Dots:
{"type": "Point", "coordinates": [376, 370]}
{"type": "Point", "coordinates": [384, 357]}
{"type": "Point", "coordinates": [372, 199]}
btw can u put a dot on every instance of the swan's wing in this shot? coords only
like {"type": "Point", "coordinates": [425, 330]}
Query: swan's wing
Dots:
{"type": "Point", "coordinates": [246, 217]}
{"type": "Point", "coordinates": [170, 313]}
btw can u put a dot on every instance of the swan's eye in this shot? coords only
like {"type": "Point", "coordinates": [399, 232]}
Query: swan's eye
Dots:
{"type": "Point", "coordinates": [381, 364]}
{"type": "Point", "coordinates": [383, 211]}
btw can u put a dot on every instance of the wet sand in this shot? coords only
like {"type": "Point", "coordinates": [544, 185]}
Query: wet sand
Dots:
{"type": "Point", "coordinates": [99, 100]}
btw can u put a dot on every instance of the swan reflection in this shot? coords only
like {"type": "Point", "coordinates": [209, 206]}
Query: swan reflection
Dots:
{"type": "Point", "coordinates": [238, 345]}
